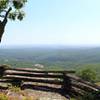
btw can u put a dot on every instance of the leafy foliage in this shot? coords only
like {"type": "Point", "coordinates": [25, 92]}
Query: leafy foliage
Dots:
{"type": "Point", "coordinates": [88, 75]}
{"type": "Point", "coordinates": [16, 5]}
{"type": "Point", "coordinates": [91, 96]}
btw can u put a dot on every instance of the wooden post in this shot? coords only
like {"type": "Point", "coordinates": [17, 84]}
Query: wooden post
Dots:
{"type": "Point", "coordinates": [2, 69]}
{"type": "Point", "coordinates": [16, 82]}
{"type": "Point", "coordinates": [66, 86]}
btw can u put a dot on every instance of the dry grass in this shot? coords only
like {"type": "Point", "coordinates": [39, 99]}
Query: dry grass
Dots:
{"type": "Point", "coordinates": [21, 98]}
{"type": "Point", "coordinates": [98, 83]}
{"type": "Point", "coordinates": [3, 96]}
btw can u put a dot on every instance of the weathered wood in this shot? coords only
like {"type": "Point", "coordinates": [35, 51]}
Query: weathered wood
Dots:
{"type": "Point", "coordinates": [77, 92]}
{"type": "Point", "coordinates": [23, 78]}
{"type": "Point", "coordinates": [66, 86]}
{"type": "Point", "coordinates": [41, 86]}
{"type": "Point", "coordinates": [32, 85]}
{"type": "Point", "coordinates": [31, 74]}
{"type": "Point", "coordinates": [5, 80]}
{"type": "Point", "coordinates": [83, 86]}
{"type": "Point", "coordinates": [39, 71]}
{"type": "Point", "coordinates": [69, 82]}
{"type": "Point", "coordinates": [73, 77]}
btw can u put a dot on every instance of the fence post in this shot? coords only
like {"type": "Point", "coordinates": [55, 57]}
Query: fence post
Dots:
{"type": "Point", "coordinates": [66, 86]}
{"type": "Point", "coordinates": [2, 69]}
{"type": "Point", "coordinates": [16, 82]}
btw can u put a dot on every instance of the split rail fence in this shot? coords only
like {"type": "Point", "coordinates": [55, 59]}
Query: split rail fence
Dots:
{"type": "Point", "coordinates": [65, 80]}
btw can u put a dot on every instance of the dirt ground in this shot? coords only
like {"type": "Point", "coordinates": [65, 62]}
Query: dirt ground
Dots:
{"type": "Point", "coordinates": [15, 93]}
{"type": "Point", "coordinates": [29, 94]}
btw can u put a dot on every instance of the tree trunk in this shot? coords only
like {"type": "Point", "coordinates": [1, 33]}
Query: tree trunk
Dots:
{"type": "Point", "coordinates": [1, 30]}
{"type": "Point", "coordinates": [3, 23]}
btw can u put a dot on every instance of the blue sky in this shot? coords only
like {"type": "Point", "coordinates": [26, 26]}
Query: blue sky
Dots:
{"type": "Point", "coordinates": [61, 22]}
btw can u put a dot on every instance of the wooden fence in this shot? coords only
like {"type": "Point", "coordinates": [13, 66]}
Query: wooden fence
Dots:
{"type": "Point", "coordinates": [64, 80]}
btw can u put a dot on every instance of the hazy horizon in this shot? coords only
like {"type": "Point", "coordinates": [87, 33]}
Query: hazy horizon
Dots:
{"type": "Point", "coordinates": [50, 46]}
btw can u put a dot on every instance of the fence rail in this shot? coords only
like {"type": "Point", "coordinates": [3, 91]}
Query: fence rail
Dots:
{"type": "Point", "coordinates": [66, 79]}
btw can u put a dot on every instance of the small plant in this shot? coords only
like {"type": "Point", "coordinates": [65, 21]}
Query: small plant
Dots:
{"type": "Point", "coordinates": [15, 89]}
{"type": "Point", "coordinates": [3, 97]}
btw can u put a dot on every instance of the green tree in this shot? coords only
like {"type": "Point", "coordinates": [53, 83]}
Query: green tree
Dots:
{"type": "Point", "coordinates": [10, 9]}
{"type": "Point", "coordinates": [88, 74]}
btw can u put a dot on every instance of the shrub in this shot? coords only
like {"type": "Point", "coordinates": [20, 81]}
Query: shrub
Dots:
{"type": "Point", "coordinates": [15, 89]}
{"type": "Point", "coordinates": [88, 75]}
{"type": "Point", "coordinates": [91, 96]}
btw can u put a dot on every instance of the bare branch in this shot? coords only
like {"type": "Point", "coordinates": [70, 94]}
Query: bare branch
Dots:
{"type": "Point", "coordinates": [8, 12]}
{"type": "Point", "coordinates": [5, 18]}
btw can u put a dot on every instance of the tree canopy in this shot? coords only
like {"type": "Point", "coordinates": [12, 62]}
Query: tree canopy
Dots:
{"type": "Point", "coordinates": [15, 5]}
{"type": "Point", "coordinates": [10, 9]}
{"type": "Point", "coordinates": [88, 74]}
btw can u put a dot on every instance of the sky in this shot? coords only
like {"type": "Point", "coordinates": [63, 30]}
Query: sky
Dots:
{"type": "Point", "coordinates": [56, 22]}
